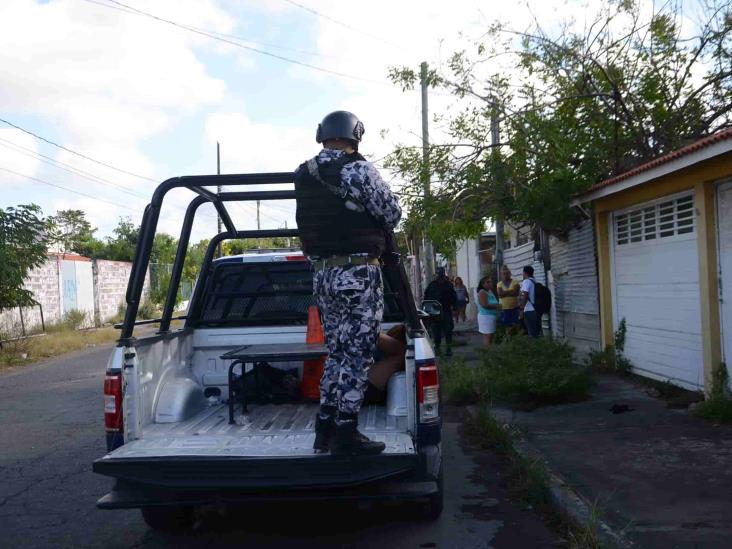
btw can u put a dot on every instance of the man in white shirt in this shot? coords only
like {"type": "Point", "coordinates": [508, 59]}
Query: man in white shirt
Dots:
{"type": "Point", "coordinates": [527, 298]}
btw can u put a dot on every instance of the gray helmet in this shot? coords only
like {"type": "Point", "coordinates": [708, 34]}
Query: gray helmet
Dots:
{"type": "Point", "coordinates": [340, 125]}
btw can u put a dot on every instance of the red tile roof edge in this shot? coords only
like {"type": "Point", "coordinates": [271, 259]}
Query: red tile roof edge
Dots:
{"type": "Point", "coordinates": [68, 256]}
{"type": "Point", "coordinates": [696, 146]}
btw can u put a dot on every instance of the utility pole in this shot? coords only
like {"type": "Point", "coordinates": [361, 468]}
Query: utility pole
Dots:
{"type": "Point", "coordinates": [495, 152]}
{"type": "Point", "coordinates": [218, 191]}
{"type": "Point", "coordinates": [429, 255]}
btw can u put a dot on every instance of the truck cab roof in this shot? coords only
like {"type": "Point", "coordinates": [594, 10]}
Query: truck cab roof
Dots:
{"type": "Point", "coordinates": [263, 257]}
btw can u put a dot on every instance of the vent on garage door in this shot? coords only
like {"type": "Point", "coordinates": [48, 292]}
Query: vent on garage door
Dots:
{"type": "Point", "coordinates": [662, 219]}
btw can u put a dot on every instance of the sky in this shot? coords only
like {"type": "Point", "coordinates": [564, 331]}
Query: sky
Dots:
{"type": "Point", "coordinates": [139, 100]}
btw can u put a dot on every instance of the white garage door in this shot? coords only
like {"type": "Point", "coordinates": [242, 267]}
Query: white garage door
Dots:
{"type": "Point", "coordinates": [656, 289]}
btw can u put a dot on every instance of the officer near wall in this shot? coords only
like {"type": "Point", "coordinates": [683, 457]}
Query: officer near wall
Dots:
{"type": "Point", "coordinates": [344, 209]}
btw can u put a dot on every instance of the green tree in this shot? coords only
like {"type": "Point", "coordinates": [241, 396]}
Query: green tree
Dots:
{"type": "Point", "coordinates": [194, 260]}
{"type": "Point", "coordinates": [577, 107]}
{"type": "Point", "coordinates": [121, 246]}
{"type": "Point", "coordinates": [162, 256]}
{"type": "Point", "coordinates": [75, 234]}
{"type": "Point", "coordinates": [24, 240]}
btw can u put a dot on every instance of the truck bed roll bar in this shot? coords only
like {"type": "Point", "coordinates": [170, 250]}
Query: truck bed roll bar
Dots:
{"type": "Point", "coordinates": [198, 184]}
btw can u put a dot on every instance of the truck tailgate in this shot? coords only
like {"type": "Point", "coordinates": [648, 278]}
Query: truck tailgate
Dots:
{"type": "Point", "coordinates": [272, 445]}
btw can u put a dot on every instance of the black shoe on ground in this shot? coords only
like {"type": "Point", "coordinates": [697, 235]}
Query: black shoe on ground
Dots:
{"type": "Point", "coordinates": [348, 441]}
{"type": "Point", "coordinates": [324, 428]}
{"type": "Point", "coordinates": [448, 351]}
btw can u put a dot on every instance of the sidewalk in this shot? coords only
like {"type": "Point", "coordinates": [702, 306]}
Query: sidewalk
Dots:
{"type": "Point", "coordinates": [660, 477]}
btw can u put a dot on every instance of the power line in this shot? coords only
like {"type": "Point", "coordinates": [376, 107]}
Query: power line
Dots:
{"type": "Point", "coordinates": [342, 24]}
{"type": "Point", "coordinates": [243, 206]}
{"type": "Point", "coordinates": [66, 189]}
{"type": "Point", "coordinates": [237, 44]}
{"type": "Point", "coordinates": [76, 171]}
{"type": "Point", "coordinates": [76, 153]}
{"type": "Point", "coordinates": [66, 167]}
{"type": "Point", "coordinates": [225, 35]}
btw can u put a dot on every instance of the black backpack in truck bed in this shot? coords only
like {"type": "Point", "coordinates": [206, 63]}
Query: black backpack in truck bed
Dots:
{"type": "Point", "coordinates": [542, 298]}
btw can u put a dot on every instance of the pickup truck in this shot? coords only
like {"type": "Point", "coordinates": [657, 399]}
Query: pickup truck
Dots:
{"type": "Point", "coordinates": [172, 444]}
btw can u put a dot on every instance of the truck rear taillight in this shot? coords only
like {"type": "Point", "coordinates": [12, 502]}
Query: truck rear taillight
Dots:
{"type": "Point", "coordinates": [113, 403]}
{"type": "Point", "coordinates": [428, 391]}
{"type": "Point", "coordinates": [298, 257]}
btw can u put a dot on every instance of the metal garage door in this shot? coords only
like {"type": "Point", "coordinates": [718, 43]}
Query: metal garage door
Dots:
{"type": "Point", "coordinates": [656, 289]}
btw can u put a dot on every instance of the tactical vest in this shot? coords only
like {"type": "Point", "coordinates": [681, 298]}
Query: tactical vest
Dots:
{"type": "Point", "coordinates": [326, 221]}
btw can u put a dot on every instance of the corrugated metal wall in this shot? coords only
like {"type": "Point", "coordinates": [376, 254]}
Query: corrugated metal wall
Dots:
{"type": "Point", "coordinates": [574, 270]}
{"type": "Point", "coordinates": [517, 258]}
{"type": "Point", "coordinates": [520, 256]}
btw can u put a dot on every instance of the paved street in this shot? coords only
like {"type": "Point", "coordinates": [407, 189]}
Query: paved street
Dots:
{"type": "Point", "coordinates": [51, 431]}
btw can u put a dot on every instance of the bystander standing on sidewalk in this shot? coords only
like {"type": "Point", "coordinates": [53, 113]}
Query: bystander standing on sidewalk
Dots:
{"type": "Point", "coordinates": [487, 310]}
{"type": "Point", "coordinates": [508, 293]}
{"type": "Point", "coordinates": [462, 299]}
{"type": "Point", "coordinates": [527, 298]}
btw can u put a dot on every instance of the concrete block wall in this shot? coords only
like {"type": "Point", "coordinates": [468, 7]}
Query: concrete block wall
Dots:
{"type": "Point", "coordinates": [46, 282]}
{"type": "Point", "coordinates": [110, 287]}
{"type": "Point", "coordinates": [43, 282]}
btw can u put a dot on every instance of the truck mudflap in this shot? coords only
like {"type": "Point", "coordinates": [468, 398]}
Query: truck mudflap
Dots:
{"type": "Point", "coordinates": [127, 495]}
{"type": "Point", "coordinates": [316, 471]}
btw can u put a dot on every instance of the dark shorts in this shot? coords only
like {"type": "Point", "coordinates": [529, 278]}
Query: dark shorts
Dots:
{"type": "Point", "coordinates": [510, 317]}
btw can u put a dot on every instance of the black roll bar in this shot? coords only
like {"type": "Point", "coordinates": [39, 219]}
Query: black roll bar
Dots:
{"type": "Point", "coordinates": [211, 250]}
{"type": "Point", "coordinates": [195, 183]}
{"type": "Point", "coordinates": [198, 184]}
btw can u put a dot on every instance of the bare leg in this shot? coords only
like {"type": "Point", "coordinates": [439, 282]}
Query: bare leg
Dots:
{"type": "Point", "coordinates": [487, 339]}
{"type": "Point", "coordinates": [393, 361]}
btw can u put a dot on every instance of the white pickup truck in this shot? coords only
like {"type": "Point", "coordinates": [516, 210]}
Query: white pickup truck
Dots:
{"type": "Point", "coordinates": [168, 396]}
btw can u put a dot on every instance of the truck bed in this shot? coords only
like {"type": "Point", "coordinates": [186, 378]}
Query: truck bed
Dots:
{"type": "Point", "coordinates": [281, 430]}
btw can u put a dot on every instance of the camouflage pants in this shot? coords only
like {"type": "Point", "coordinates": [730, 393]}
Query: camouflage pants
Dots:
{"type": "Point", "coordinates": [351, 302]}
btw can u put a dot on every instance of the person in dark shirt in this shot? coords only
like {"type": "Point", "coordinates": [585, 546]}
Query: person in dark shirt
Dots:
{"type": "Point", "coordinates": [442, 290]}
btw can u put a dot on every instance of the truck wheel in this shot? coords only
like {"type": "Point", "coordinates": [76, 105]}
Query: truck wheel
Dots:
{"type": "Point", "coordinates": [433, 508]}
{"type": "Point", "coordinates": [168, 518]}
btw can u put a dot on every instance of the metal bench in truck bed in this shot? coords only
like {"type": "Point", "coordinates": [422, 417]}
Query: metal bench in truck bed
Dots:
{"type": "Point", "coordinates": [256, 354]}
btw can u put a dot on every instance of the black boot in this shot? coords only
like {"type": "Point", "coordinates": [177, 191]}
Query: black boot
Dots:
{"type": "Point", "coordinates": [349, 441]}
{"type": "Point", "coordinates": [324, 428]}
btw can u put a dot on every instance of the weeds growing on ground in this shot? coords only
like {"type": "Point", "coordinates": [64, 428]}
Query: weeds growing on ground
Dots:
{"type": "Point", "coordinates": [525, 372]}
{"type": "Point", "coordinates": [146, 311]}
{"type": "Point", "coordinates": [33, 349]}
{"type": "Point", "coordinates": [526, 479]}
{"type": "Point", "coordinates": [72, 320]}
{"type": "Point", "coordinates": [611, 359]}
{"type": "Point", "coordinates": [586, 536]}
{"type": "Point", "coordinates": [717, 406]}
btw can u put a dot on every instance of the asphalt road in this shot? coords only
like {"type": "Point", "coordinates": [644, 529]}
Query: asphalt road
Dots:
{"type": "Point", "coordinates": [51, 430]}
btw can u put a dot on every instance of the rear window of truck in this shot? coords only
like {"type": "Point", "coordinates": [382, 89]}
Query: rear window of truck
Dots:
{"type": "Point", "coordinates": [273, 293]}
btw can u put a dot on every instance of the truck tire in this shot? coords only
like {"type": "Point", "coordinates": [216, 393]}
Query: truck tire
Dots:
{"type": "Point", "coordinates": [433, 508]}
{"type": "Point", "coordinates": [170, 518]}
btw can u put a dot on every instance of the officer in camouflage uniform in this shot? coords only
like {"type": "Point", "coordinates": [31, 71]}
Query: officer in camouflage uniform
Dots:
{"type": "Point", "coordinates": [344, 209]}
